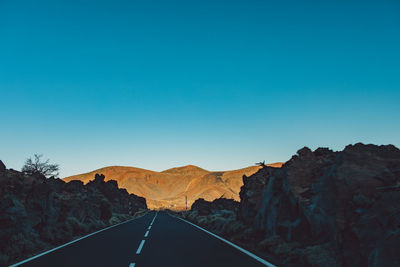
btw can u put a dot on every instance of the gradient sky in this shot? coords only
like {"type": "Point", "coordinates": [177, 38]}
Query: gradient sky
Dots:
{"type": "Point", "coordinates": [218, 84]}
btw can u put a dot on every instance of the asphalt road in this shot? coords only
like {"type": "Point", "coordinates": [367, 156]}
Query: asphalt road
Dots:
{"type": "Point", "coordinates": [156, 239]}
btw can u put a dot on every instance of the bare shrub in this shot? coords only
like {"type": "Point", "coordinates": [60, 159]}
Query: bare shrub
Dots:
{"type": "Point", "coordinates": [36, 165]}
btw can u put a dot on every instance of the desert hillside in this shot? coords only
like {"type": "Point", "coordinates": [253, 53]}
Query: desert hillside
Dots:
{"type": "Point", "coordinates": [169, 188]}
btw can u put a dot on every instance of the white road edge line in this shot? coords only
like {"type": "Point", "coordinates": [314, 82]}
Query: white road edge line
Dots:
{"type": "Point", "coordinates": [132, 264]}
{"type": "Point", "coordinates": [146, 234]}
{"type": "Point", "coordinates": [266, 263]}
{"type": "Point", "coordinates": [71, 242]}
{"type": "Point", "coordinates": [140, 247]}
{"type": "Point", "coordinates": [149, 227]}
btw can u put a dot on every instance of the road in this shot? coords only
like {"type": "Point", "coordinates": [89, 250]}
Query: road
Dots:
{"type": "Point", "coordinates": [156, 239]}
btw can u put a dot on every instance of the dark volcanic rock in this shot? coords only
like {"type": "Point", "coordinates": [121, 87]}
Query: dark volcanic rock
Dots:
{"type": "Point", "coordinates": [38, 213]}
{"type": "Point", "coordinates": [348, 201]}
{"type": "Point", "coordinates": [2, 166]}
{"type": "Point", "coordinates": [206, 207]}
{"type": "Point", "coordinates": [219, 216]}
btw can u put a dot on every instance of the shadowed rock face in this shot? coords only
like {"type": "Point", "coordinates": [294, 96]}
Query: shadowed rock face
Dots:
{"type": "Point", "coordinates": [348, 201]}
{"type": "Point", "coordinates": [2, 166]}
{"type": "Point", "coordinates": [204, 207]}
{"type": "Point", "coordinates": [38, 213]}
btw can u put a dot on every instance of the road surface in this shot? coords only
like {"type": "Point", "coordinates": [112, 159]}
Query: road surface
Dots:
{"type": "Point", "coordinates": [156, 239]}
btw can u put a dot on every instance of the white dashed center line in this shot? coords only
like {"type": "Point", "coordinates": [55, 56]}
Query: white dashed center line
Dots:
{"type": "Point", "coordinates": [142, 243]}
{"type": "Point", "coordinates": [140, 247]}
{"type": "Point", "coordinates": [153, 219]}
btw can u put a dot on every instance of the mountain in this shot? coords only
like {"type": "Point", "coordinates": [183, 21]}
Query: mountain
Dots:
{"type": "Point", "coordinates": [169, 188]}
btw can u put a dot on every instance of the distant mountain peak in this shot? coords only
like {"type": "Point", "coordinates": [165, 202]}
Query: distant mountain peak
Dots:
{"type": "Point", "coordinates": [184, 169]}
{"type": "Point", "coordinates": [171, 188]}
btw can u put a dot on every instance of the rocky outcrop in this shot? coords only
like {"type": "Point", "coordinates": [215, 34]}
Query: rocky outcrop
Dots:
{"type": "Point", "coordinates": [331, 208]}
{"type": "Point", "coordinates": [2, 166]}
{"type": "Point", "coordinates": [204, 207]}
{"type": "Point", "coordinates": [38, 213]}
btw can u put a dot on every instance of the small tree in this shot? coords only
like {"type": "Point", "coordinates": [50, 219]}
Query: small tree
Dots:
{"type": "Point", "coordinates": [262, 164]}
{"type": "Point", "coordinates": [36, 165]}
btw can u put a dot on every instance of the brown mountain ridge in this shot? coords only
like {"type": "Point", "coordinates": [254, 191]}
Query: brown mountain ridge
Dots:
{"type": "Point", "coordinates": [169, 188]}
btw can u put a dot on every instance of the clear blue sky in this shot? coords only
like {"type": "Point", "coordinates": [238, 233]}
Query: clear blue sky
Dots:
{"type": "Point", "coordinates": [219, 84]}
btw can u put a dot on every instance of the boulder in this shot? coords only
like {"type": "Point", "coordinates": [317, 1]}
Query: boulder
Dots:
{"type": "Point", "coordinates": [204, 207]}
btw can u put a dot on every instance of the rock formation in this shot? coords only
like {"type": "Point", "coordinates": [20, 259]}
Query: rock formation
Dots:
{"type": "Point", "coordinates": [38, 213]}
{"type": "Point", "coordinates": [204, 207]}
{"type": "Point", "coordinates": [340, 205]}
{"type": "Point", "coordinates": [2, 166]}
